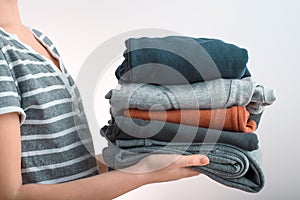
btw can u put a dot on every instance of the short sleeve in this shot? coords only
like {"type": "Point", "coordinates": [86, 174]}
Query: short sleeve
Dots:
{"type": "Point", "coordinates": [10, 100]}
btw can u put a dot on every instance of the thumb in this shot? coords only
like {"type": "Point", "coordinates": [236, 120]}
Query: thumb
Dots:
{"type": "Point", "coordinates": [192, 160]}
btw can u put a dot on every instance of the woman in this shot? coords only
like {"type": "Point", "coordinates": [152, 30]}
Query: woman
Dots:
{"type": "Point", "coordinates": [42, 153]}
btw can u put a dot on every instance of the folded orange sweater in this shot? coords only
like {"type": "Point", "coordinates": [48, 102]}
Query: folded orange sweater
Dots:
{"type": "Point", "coordinates": [235, 118]}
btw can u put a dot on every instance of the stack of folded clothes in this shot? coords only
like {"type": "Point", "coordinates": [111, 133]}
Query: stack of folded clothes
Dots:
{"type": "Point", "coordinates": [183, 95]}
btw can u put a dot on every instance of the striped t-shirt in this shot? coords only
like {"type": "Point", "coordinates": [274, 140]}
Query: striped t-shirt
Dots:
{"type": "Point", "coordinates": [56, 142]}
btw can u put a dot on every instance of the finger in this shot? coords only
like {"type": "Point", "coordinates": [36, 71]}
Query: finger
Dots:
{"type": "Point", "coordinates": [192, 160]}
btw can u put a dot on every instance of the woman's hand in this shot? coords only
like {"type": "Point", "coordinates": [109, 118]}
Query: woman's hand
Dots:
{"type": "Point", "coordinates": [167, 167]}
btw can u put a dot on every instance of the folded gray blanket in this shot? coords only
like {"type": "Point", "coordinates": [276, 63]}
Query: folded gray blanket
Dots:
{"type": "Point", "coordinates": [228, 165]}
{"type": "Point", "coordinates": [214, 94]}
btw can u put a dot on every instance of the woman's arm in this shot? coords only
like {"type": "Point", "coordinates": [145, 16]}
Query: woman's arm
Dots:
{"type": "Point", "coordinates": [104, 186]}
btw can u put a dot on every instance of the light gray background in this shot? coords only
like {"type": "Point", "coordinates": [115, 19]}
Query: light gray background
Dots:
{"type": "Point", "coordinates": [268, 29]}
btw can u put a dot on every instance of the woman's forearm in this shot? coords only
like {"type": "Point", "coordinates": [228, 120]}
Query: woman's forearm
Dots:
{"type": "Point", "coordinates": [104, 186]}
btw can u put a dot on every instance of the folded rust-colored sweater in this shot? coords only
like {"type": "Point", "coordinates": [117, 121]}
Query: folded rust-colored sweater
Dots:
{"type": "Point", "coordinates": [235, 118]}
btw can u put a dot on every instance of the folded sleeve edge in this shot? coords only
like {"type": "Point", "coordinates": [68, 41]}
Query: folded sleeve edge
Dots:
{"type": "Point", "coordinates": [11, 109]}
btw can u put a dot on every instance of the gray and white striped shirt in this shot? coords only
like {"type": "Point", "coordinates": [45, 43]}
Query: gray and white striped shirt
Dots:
{"type": "Point", "coordinates": [56, 142]}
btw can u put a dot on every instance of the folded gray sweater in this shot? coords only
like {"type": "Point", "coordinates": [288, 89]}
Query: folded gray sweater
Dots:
{"type": "Point", "coordinates": [214, 94]}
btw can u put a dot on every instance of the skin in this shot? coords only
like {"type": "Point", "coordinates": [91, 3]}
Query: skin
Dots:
{"type": "Point", "coordinates": [106, 185]}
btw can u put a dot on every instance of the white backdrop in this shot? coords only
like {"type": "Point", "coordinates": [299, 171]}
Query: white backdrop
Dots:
{"type": "Point", "coordinates": [268, 29]}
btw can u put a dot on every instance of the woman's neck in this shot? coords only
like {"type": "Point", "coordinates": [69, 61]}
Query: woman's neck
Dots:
{"type": "Point", "coordinates": [10, 19]}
